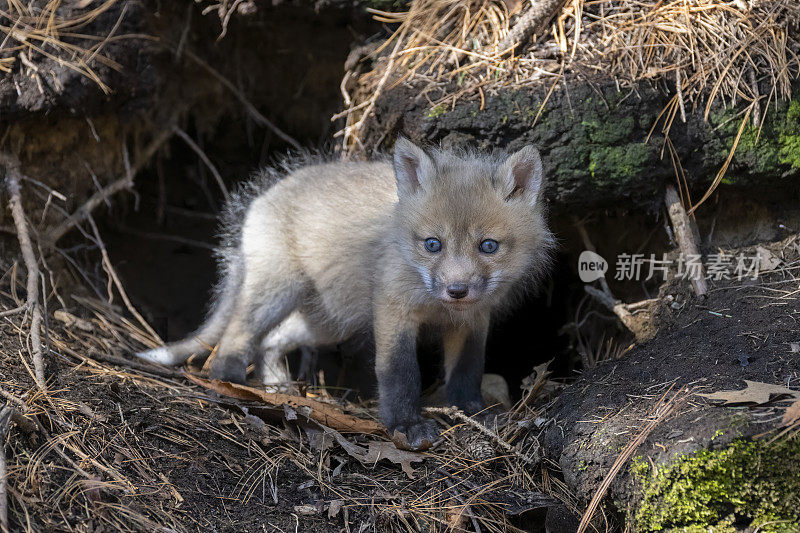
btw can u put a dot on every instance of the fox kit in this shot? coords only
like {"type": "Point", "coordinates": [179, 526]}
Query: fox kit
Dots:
{"type": "Point", "coordinates": [439, 239]}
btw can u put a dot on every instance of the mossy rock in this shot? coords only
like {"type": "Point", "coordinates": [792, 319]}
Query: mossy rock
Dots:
{"type": "Point", "coordinates": [604, 148]}
{"type": "Point", "coordinates": [755, 483]}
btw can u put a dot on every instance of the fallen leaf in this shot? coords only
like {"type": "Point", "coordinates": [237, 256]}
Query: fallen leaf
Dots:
{"type": "Point", "coordinates": [792, 415]}
{"type": "Point", "coordinates": [377, 450]}
{"type": "Point", "coordinates": [767, 260]}
{"type": "Point", "coordinates": [756, 392]}
{"type": "Point", "coordinates": [334, 508]}
{"type": "Point", "coordinates": [324, 413]}
{"type": "Point", "coordinates": [386, 450]}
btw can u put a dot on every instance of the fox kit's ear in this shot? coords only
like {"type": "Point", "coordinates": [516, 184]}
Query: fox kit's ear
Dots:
{"type": "Point", "coordinates": [522, 174]}
{"type": "Point", "coordinates": [413, 168]}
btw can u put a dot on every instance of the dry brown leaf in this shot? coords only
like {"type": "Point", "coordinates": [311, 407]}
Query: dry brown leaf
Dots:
{"type": "Point", "coordinates": [386, 450]}
{"type": "Point", "coordinates": [324, 413]}
{"type": "Point", "coordinates": [378, 450]}
{"type": "Point", "coordinates": [792, 415]}
{"type": "Point", "coordinates": [756, 392]}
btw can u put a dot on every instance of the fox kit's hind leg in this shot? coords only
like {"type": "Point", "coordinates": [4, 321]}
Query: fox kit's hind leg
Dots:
{"type": "Point", "coordinates": [261, 307]}
{"type": "Point", "coordinates": [296, 331]}
{"type": "Point", "coordinates": [464, 350]}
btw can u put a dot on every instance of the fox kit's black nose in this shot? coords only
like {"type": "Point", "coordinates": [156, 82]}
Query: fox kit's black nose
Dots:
{"type": "Point", "coordinates": [457, 290]}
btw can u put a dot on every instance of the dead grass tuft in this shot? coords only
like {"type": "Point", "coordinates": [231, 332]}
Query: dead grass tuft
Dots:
{"type": "Point", "coordinates": [706, 50]}
{"type": "Point", "coordinates": [52, 29]}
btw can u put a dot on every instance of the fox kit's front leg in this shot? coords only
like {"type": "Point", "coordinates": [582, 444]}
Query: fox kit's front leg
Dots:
{"type": "Point", "coordinates": [399, 379]}
{"type": "Point", "coordinates": [464, 350]}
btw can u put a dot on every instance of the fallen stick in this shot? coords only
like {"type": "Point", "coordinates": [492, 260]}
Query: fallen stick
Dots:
{"type": "Point", "coordinates": [533, 21]}
{"type": "Point", "coordinates": [605, 296]}
{"type": "Point", "coordinates": [324, 413]}
{"type": "Point", "coordinates": [13, 176]}
{"type": "Point", "coordinates": [615, 306]}
{"type": "Point", "coordinates": [682, 226]}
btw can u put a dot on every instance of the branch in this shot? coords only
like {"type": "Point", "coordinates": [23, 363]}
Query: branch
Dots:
{"type": "Point", "coordinates": [685, 237]}
{"type": "Point", "coordinates": [605, 296]}
{"type": "Point", "coordinates": [533, 21]}
{"type": "Point", "coordinates": [13, 176]}
{"type": "Point", "coordinates": [51, 237]}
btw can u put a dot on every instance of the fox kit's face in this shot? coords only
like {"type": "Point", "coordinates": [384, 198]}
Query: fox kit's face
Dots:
{"type": "Point", "coordinates": [470, 227]}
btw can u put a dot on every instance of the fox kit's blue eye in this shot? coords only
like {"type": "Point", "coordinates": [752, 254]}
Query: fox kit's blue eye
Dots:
{"type": "Point", "coordinates": [433, 245]}
{"type": "Point", "coordinates": [489, 246]}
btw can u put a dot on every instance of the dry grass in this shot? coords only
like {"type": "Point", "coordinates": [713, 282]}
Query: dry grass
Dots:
{"type": "Point", "coordinates": [51, 29]}
{"type": "Point", "coordinates": [707, 50]}
{"type": "Point", "coordinates": [111, 440]}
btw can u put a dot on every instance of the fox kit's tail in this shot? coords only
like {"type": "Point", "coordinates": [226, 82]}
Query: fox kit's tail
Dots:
{"type": "Point", "coordinates": [203, 340]}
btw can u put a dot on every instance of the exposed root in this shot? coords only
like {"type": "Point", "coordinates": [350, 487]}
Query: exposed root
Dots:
{"type": "Point", "coordinates": [251, 110]}
{"type": "Point", "coordinates": [112, 274]}
{"type": "Point", "coordinates": [125, 183]}
{"type": "Point", "coordinates": [13, 177]}
{"type": "Point", "coordinates": [203, 157]}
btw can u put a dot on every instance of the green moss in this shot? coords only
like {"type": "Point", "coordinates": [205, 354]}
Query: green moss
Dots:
{"type": "Point", "coordinates": [437, 111]}
{"type": "Point", "coordinates": [608, 132]}
{"type": "Point", "coordinates": [749, 481]}
{"type": "Point", "coordinates": [766, 150]}
{"type": "Point", "coordinates": [617, 164]}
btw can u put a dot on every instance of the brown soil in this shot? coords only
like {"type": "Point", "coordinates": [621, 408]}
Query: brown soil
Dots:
{"type": "Point", "coordinates": [744, 330]}
{"type": "Point", "coordinates": [120, 448]}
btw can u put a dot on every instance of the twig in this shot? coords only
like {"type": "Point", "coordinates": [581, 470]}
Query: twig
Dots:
{"type": "Point", "coordinates": [202, 155]}
{"type": "Point", "coordinates": [51, 237]}
{"type": "Point", "coordinates": [109, 268]}
{"type": "Point", "coordinates": [5, 417]}
{"type": "Point", "coordinates": [13, 175]}
{"type": "Point", "coordinates": [145, 368]}
{"type": "Point", "coordinates": [535, 19]}
{"type": "Point", "coordinates": [681, 224]}
{"type": "Point", "coordinates": [14, 311]}
{"type": "Point", "coordinates": [459, 415]}
{"type": "Point", "coordinates": [249, 107]}
{"type": "Point", "coordinates": [661, 410]}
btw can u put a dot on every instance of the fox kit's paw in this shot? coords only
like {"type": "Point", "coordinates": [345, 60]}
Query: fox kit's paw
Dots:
{"type": "Point", "coordinates": [419, 434]}
{"type": "Point", "coordinates": [162, 355]}
{"type": "Point", "coordinates": [231, 369]}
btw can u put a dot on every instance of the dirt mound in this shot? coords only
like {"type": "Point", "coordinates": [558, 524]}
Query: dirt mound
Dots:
{"type": "Point", "coordinates": [746, 330]}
